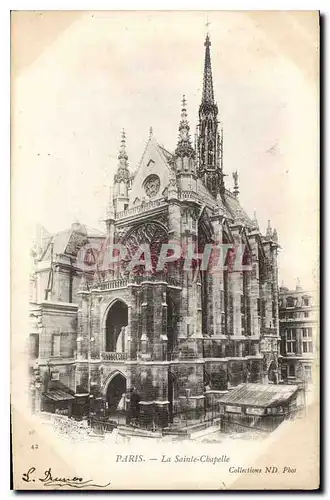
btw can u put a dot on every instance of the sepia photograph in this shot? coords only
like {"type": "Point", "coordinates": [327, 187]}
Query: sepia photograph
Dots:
{"type": "Point", "coordinates": [165, 250]}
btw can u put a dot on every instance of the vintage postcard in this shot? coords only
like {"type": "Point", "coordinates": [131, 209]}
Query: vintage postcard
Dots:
{"type": "Point", "coordinates": [165, 250]}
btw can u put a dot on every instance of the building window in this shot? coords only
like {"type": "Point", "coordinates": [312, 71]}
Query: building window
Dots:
{"type": "Point", "coordinates": [307, 340]}
{"type": "Point", "coordinates": [56, 345]}
{"type": "Point", "coordinates": [292, 371]}
{"type": "Point", "coordinates": [290, 315]}
{"type": "Point", "coordinates": [306, 301]}
{"type": "Point", "coordinates": [306, 314]}
{"type": "Point", "coordinates": [308, 373]}
{"type": "Point", "coordinates": [291, 341]}
{"type": "Point", "coordinates": [290, 302]}
{"type": "Point", "coordinates": [307, 332]}
{"type": "Point", "coordinates": [258, 307]}
{"type": "Point", "coordinates": [55, 375]}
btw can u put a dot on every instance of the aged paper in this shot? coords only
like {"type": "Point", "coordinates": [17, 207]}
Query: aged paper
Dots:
{"type": "Point", "coordinates": [165, 211]}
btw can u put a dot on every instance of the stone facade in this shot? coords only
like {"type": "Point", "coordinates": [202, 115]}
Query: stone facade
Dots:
{"type": "Point", "coordinates": [299, 335]}
{"type": "Point", "coordinates": [177, 337]}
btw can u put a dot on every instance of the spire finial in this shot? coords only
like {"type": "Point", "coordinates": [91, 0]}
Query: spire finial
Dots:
{"type": "Point", "coordinates": [150, 132]}
{"type": "Point", "coordinates": [122, 152]}
{"type": "Point", "coordinates": [184, 120]}
{"type": "Point", "coordinates": [207, 24]}
{"type": "Point", "coordinates": [184, 147]}
{"type": "Point", "coordinates": [122, 171]}
{"type": "Point", "coordinates": [208, 95]}
{"type": "Point", "coordinates": [236, 187]}
{"type": "Point", "coordinates": [123, 138]}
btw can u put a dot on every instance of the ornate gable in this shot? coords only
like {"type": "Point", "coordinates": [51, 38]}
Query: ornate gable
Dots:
{"type": "Point", "coordinates": [153, 174]}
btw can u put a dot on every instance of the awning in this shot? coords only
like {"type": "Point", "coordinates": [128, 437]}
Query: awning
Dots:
{"type": "Point", "coordinates": [58, 395]}
{"type": "Point", "coordinates": [260, 395]}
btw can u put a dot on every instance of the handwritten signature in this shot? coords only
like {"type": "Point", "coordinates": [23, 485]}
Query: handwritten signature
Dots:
{"type": "Point", "coordinates": [50, 480]}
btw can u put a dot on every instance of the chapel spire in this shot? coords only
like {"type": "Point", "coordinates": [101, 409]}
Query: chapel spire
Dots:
{"type": "Point", "coordinates": [209, 140]}
{"type": "Point", "coordinates": [208, 94]}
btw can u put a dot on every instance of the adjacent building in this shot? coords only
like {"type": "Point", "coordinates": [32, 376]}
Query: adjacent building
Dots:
{"type": "Point", "coordinates": [298, 313]}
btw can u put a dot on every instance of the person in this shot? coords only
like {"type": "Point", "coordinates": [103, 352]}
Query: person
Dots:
{"type": "Point", "coordinates": [122, 403]}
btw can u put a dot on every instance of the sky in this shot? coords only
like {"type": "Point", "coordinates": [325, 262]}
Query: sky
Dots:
{"type": "Point", "coordinates": [78, 78]}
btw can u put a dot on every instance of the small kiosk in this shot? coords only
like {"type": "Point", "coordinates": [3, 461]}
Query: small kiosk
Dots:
{"type": "Point", "coordinates": [258, 406]}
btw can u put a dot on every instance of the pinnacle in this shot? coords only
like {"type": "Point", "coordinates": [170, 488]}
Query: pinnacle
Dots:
{"type": "Point", "coordinates": [269, 230]}
{"type": "Point", "coordinates": [122, 171]}
{"type": "Point", "coordinates": [184, 147]}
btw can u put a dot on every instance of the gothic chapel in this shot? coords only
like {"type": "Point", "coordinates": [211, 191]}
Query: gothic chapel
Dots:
{"type": "Point", "coordinates": [177, 338]}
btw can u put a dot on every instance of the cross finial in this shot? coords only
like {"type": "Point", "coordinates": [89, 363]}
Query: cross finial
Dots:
{"type": "Point", "coordinates": [122, 152]}
{"type": "Point", "coordinates": [207, 24]}
{"type": "Point", "coordinates": [184, 102]}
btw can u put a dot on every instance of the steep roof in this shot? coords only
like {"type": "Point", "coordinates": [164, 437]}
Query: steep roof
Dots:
{"type": "Point", "coordinates": [155, 161]}
{"type": "Point", "coordinates": [205, 194]}
{"type": "Point", "coordinates": [235, 209]}
{"type": "Point", "coordinates": [69, 241]}
{"type": "Point", "coordinates": [158, 160]}
{"type": "Point", "coordinates": [61, 240]}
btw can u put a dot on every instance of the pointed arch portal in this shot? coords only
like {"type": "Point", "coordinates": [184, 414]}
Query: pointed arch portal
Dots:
{"type": "Point", "coordinates": [117, 320]}
{"type": "Point", "coordinates": [116, 388]}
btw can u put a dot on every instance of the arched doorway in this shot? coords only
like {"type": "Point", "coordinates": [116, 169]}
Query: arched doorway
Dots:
{"type": "Point", "coordinates": [116, 388]}
{"type": "Point", "coordinates": [117, 320]}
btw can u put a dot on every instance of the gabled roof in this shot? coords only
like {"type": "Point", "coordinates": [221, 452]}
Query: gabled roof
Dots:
{"type": "Point", "coordinates": [94, 233]}
{"type": "Point", "coordinates": [155, 161]}
{"type": "Point", "coordinates": [69, 241]}
{"type": "Point", "coordinates": [60, 241]}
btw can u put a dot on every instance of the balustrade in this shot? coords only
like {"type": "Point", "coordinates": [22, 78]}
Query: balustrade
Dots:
{"type": "Point", "coordinates": [140, 208]}
{"type": "Point", "coordinates": [111, 284]}
{"type": "Point", "coordinates": [114, 356]}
